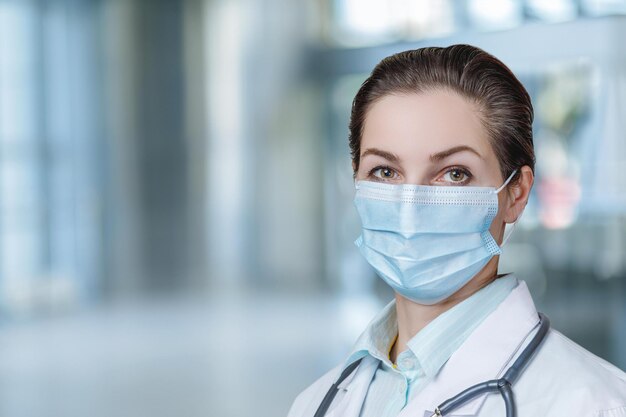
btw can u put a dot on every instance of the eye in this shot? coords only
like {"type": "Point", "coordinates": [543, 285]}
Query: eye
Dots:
{"type": "Point", "coordinates": [383, 173]}
{"type": "Point", "coordinates": [457, 176]}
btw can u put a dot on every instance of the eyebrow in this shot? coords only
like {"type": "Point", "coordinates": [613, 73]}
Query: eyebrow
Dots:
{"type": "Point", "coordinates": [384, 154]}
{"type": "Point", "coordinates": [436, 157]}
{"type": "Point", "coordinates": [444, 154]}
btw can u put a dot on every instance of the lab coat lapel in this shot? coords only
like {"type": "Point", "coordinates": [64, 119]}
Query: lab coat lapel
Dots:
{"type": "Point", "coordinates": [352, 390]}
{"type": "Point", "coordinates": [483, 356]}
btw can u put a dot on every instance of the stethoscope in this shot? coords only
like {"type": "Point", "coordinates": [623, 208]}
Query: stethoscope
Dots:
{"type": "Point", "coordinates": [503, 385]}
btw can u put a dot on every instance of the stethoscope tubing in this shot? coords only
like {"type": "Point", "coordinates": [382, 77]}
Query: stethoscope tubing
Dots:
{"type": "Point", "coordinates": [502, 385]}
{"type": "Point", "coordinates": [330, 395]}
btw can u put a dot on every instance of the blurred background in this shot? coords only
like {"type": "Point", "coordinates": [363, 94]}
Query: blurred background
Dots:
{"type": "Point", "coordinates": [176, 218]}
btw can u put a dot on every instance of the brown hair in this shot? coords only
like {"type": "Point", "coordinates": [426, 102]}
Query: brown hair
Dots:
{"type": "Point", "coordinates": [503, 102]}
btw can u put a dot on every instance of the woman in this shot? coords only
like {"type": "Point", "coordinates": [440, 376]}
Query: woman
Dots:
{"type": "Point", "coordinates": [442, 152]}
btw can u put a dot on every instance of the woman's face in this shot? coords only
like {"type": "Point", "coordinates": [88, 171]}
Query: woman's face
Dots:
{"type": "Point", "coordinates": [430, 138]}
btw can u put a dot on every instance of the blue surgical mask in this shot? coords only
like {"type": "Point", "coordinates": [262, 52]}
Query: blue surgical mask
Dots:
{"type": "Point", "coordinates": [426, 242]}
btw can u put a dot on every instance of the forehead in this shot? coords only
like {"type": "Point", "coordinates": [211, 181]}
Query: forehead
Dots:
{"type": "Point", "coordinates": [424, 123]}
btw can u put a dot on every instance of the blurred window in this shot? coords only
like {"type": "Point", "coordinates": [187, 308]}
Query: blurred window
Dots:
{"type": "Point", "coordinates": [358, 23]}
{"type": "Point", "coordinates": [48, 233]}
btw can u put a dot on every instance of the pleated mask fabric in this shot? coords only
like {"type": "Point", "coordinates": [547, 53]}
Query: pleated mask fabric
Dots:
{"type": "Point", "coordinates": [426, 242]}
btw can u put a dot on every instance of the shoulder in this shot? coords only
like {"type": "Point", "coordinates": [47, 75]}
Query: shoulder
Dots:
{"type": "Point", "coordinates": [567, 354]}
{"type": "Point", "coordinates": [567, 375]}
{"type": "Point", "coordinates": [308, 400]}
{"type": "Point", "coordinates": [564, 344]}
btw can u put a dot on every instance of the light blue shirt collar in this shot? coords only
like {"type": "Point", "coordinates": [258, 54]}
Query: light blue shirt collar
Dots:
{"type": "Point", "coordinates": [432, 346]}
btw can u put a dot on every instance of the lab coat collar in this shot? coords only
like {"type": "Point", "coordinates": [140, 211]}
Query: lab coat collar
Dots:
{"type": "Point", "coordinates": [435, 343]}
{"type": "Point", "coordinates": [484, 355]}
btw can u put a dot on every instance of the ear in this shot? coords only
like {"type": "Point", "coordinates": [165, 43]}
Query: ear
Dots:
{"type": "Point", "coordinates": [518, 194]}
{"type": "Point", "coordinates": [353, 168]}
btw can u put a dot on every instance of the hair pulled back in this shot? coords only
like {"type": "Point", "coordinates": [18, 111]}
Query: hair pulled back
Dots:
{"type": "Point", "coordinates": [504, 105]}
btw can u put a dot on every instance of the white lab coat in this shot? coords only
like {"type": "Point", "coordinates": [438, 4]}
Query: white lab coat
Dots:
{"type": "Point", "coordinates": [562, 380]}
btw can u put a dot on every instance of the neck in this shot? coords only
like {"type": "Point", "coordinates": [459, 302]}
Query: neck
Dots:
{"type": "Point", "coordinates": [413, 317]}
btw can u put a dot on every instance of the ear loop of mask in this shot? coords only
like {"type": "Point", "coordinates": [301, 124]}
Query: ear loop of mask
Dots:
{"type": "Point", "coordinates": [510, 228]}
{"type": "Point", "coordinates": [512, 225]}
{"type": "Point", "coordinates": [505, 182]}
